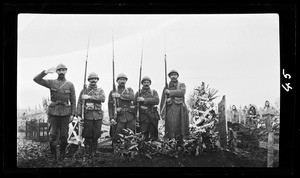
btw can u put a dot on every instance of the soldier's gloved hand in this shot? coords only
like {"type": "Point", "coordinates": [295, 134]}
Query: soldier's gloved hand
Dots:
{"type": "Point", "coordinates": [85, 97]}
{"type": "Point", "coordinates": [144, 107]}
{"type": "Point", "coordinates": [119, 109]}
{"type": "Point", "coordinates": [140, 99]}
{"type": "Point", "coordinates": [113, 122]}
{"type": "Point", "coordinates": [167, 91]}
{"type": "Point", "coordinates": [51, 70]}
{"type": "Point", "coordinates": [116, 95]}
{"type": "Point", "coordinates": [71, 119]}
{"type": "Point", "coordinates": [81, 121]}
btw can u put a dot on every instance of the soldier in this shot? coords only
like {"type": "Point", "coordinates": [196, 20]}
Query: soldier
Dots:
{"type": "Point", "coordinates": [125, 109]}
{"type": "Point", "coordinates": [149, 117]}
{"type": "Point", "coordinates": [176, 119]}
{"type": "Point", "coordinates": [62, 108]}
{"type": "Point", "coordinates": [93, 114]}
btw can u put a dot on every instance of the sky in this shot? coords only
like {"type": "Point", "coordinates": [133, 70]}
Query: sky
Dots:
{"type": "Point", "coordinates": [237, 54]}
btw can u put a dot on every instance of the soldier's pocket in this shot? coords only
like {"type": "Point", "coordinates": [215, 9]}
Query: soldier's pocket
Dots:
{"type": "Point", "coordinates": [68, 109]}
{"type": "Point", "coordinates": [51, 108]}
{"type": "Point", "coordinates": [67, 92]}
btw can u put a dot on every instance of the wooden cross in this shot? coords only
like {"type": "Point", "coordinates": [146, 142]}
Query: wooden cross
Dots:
{"type": "Point", "coordinates": [271, 147]}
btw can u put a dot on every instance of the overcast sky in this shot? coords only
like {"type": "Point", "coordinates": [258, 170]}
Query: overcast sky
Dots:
{"type": "Point", "coordinates": [237, 54]}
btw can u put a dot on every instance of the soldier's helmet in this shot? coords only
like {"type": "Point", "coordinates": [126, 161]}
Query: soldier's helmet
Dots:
{"type": "Point", "coordinates": [93, 75]}
{"type": "Point", "coordinates": [61, 66]}
{"type": "Point", "coordinates": [146, 78]}
{"type": "Point", "coordinates": [173, 71]}
{"type": "Point", "coordinates": [122, 76]}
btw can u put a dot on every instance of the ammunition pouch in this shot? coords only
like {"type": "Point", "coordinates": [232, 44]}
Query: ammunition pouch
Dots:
{"type": "Point", "coordinates": [57, 102]}
{"type": "Point", "coordinates": [129, 109]}
{"type": "Point", "coordinates": [146, 110]}
{"type": "Point", "coordinates": [93, 107]}
{"type": "Point", "coordinates": [178, 100]}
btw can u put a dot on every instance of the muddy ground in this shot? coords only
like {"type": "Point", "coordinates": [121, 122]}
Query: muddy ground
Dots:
{"type": "Point", "coordinates": [31, 154]}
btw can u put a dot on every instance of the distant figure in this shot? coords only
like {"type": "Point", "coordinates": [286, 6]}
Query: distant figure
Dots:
{"type": "Point", "coordinates": [176, 119]}
{"type": "Point", "coordinates": [267, 114]}
{"type": "Point", "coordinates": [93, 114]}
{"type": "Point", "coordinates": [252, 115]}
{"type": "Point", "coordinates": [244, 115]}
{"type": "Point", "coordinates": [62, 107]}
{"type": "Point", "coordinates": [234, 114]}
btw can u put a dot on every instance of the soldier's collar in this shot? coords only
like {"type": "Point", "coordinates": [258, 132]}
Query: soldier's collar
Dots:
{"type": "Point", "coordinates": [173, 83]}
{"type": "Point", "coordinates": [92, 87]}
{"type": "Point", "coordinates": [146, 89]}
{"type": "Point", "coordinates": [121, 87]}
{"type": "Point", "coordinates": [61, 79]}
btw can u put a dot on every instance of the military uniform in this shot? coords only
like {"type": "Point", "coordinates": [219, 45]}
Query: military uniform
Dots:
{"type": "Point", "coordinates": [62, 106]}
{"type": "Point", "coordinates": [93, 114]}
{"type": "Point", "coordinates": [125, 117]}
{"type": "Point", "coordinates": [176, 119]}
{"type": "Point", "coordinates": [149, 116]}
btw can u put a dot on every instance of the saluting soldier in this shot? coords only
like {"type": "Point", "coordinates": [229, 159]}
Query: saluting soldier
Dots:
{"type": "Point", "coordinates": [93, 113]}
{"type": "Point", "coordinates": [176, 119]}
{"type": "Point", "coordinates": [62, 108]}
{"type": "Point", "coordinates": [149, 117]}
{"type": "Point", "coordinates": [125, 109]}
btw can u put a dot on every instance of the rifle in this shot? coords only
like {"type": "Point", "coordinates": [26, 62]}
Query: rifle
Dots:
{"type": "Point", "coordinates": [84, 92]}
{"type": "Point", "coordinates": [112, 128]}
{"type": "Point", "coordinates": [114, 85]}
{"type": "Point", "coordinates": [139, 91]}
{"type": "Point", "coordinates": [164, 108]}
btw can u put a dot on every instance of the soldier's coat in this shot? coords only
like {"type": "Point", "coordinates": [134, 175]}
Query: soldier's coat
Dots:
{"type": "Point", "coordinates": [176, 119]}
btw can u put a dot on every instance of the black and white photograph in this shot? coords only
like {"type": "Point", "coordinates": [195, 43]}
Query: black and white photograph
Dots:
{"type": "Point", "coordinates": [149, 90]}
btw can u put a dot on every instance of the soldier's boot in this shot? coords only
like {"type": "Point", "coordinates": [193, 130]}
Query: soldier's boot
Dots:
{"type": "Point", "coordinates": [62, 150]}
{"type": "Point", "coordinates": [53, 150]}
{"type": "Point", "coordinates": [87, 148]}
{"type": "Point", "coordinates": [94, 147]}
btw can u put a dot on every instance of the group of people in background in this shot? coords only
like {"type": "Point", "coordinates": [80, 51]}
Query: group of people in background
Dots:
{"type": "Point", "coordinates": [63, 109]}
{"type": "Point", "coordinates": [252, 115]}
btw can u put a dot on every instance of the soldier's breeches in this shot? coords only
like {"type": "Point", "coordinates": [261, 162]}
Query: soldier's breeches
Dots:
{"type": "Point", "coordinates": [92, 129]}
{"type": "Point", "coordinates": [149, 129]}
{"type": "Point", "coordinates": [58, 125]}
